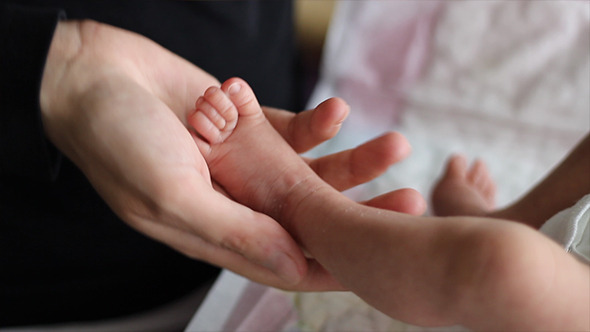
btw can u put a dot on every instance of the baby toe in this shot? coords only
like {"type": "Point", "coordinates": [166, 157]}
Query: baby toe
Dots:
{"type": "Point", "coordinates": [211, 112]}
{"type": "Point", "coordinates": [205, 127]}
{"type": "Point", "coordinates": [222, 105]}
{"type": "Point", "coordinates": [242, 96]}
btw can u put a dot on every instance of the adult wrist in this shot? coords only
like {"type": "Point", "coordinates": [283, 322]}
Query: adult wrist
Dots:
{"type": "Point", "coordinates": [66, 43]}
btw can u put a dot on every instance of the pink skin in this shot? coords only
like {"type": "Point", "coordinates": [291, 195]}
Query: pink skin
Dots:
{"type": "Point", "coordinates": [463, 191]}
{"type": "Point", "coordinates": [232, 100]}
{"type": "Point", "coordinates": [210, 132]}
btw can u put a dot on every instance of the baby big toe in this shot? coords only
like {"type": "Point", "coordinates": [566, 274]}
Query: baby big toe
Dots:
{"type": "Point", "coordinates": [242, 96]}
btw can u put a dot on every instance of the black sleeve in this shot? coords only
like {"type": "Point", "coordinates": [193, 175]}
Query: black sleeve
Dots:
{"type": "Point", "coordinates": [25, 37]}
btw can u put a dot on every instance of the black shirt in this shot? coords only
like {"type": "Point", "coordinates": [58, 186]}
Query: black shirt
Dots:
{"type": "Point", "coordinates": [64, 256]}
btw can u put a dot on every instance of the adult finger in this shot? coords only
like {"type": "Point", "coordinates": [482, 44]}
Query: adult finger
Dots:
{"type": "Point", "coordinates": [309, 128]}
{"type": "Point", "coordinates": [346, 169]}
{"type": "Point", "coordinates": [403, 200]}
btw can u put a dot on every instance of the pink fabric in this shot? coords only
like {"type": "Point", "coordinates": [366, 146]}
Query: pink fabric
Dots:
{"type": "Point", "coordinates": [393, 59]}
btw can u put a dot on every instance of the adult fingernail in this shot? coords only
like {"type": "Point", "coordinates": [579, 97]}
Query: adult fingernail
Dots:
{"type": "Point", "coordinates": [284, 267]}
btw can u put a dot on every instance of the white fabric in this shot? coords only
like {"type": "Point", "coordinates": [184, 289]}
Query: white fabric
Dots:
{"type": "Point", "coordinates": [571, 229]}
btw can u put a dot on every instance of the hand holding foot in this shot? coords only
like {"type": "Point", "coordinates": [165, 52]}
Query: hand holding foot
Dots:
{"type": "Point", "coordinates": [264, 186]}
{"type": "Point", "coordinates": [252, 139]}
{"type": "Point", "coordinates": [342, 170]}
{"type": "Point", "coordinates": [127, 133]}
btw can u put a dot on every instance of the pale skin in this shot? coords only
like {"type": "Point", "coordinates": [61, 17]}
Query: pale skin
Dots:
{"type": "Point", "coordinates": [116, 103]}
{"type": "Point", "coordinates": [483, 273]}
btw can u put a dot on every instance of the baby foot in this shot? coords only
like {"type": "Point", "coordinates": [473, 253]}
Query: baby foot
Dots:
{"type": "Point", "coordinates": [246, 156]}
{"type": "Point", "coordinates": [464, 192]}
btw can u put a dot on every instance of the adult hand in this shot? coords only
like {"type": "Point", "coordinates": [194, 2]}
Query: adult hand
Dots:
{"type": "Point", "coordinates": [349, 168]}
{"type": "Point", "coordinates": [115, 103]}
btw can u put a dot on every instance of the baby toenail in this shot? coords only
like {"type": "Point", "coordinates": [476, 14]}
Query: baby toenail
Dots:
{"type": "Point", "coordinates": [234, 88]}
{"type": "Point", "coordinates": [209, 91]}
